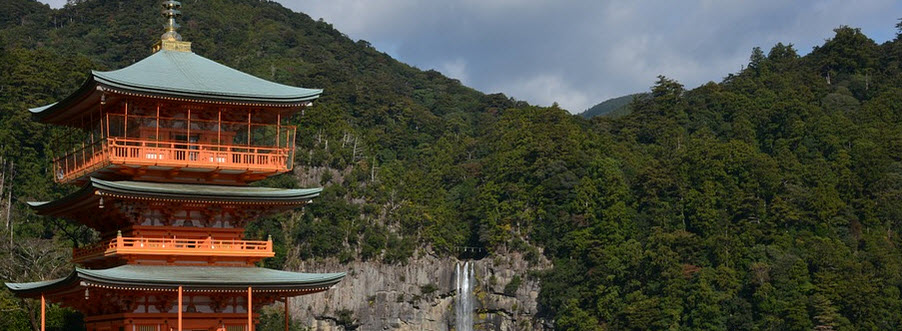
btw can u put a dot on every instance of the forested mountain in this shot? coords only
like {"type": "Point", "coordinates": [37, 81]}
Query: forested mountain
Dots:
{"type": "Point", "coordinates": [770, 200]}
{"type": "Point", "coordinates": [618, 106]}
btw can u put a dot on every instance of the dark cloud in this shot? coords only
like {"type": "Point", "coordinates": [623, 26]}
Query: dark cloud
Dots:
{"type": "Point", "coordinates": [579, 53]}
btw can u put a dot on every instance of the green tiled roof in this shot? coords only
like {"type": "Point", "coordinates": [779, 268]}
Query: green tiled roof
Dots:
{"type": "Point", "coordinates": [188, 75]}
{"type": "Point", "coordinates": [192, 75]}
{"type": "Point", "coordinates": [189, 277]}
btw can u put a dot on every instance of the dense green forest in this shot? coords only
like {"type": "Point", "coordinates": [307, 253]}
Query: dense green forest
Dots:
{"type": "Point", "coordinates": [770, 200]}
{"type": "Point", "coordinates": [613, 107]}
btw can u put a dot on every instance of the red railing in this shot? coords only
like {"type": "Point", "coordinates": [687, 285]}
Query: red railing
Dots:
{"type": "Point", "coordinates": [141, 152]}
{"type": "Point", "coordinates": [180, 142]}
{"type": "Point", "coordinates": [173, 246]}
{"type": "Point", "coordinates": [184, 154]}
{"type": "Point", "coordinates": [82, 161]}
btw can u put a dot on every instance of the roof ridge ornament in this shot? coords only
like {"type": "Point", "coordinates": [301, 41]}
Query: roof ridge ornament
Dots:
{"type": "Point", "coordinates": [172, 40]}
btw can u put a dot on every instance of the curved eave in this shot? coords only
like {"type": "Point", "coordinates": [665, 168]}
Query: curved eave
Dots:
{"type": "Point", "coordinates": [81, 98]}
{"type": "Point", "coordinates": [89, 94]}
{"type": "Point", "coordinates": [207, 278]}
{"type": "Point", "coordinates": [72, 201]}
{"type": "Point", "coordinates": [38, 110]}
{"type": "Point", "coordinates": [128, 277]}
{"type": "Point", "coordinates": [205, 192]}
{"type": "Point", "coordinates": [25, 289]}
{"type": "Point", "coordinates": [90, 193]}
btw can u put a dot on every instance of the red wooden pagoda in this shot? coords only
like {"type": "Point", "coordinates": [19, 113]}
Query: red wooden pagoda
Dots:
{"type": "Point", "coordinates": [169, 146]}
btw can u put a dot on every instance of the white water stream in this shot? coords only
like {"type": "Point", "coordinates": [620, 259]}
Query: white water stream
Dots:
{"type": "Point", "coordinates": [464, 305]}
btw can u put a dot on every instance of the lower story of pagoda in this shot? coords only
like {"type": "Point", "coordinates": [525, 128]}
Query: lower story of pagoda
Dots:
{"type": "Point", "coordinates": [167, 322]}
{"type": "Point", "coordinates": [107, 309]}
{"type": "Point", "coordinates": [165, 298]}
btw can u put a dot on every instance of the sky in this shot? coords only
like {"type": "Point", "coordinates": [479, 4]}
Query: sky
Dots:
{"type": "Point", "coordinates": [581, 52]}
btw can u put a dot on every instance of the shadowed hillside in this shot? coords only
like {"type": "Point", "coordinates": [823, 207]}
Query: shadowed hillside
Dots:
{"type": "Point", "coordinates": [613, 107]}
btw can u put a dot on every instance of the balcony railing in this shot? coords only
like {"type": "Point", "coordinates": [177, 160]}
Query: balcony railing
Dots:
{"type": "Point", "coordinates": [80, 162]}
{"type": "Point", "coordinates": [171, 246]}
{"type": "Point", "coordinates": [140, 152]}
{"type": "Point", "coordinates": [166, 143]}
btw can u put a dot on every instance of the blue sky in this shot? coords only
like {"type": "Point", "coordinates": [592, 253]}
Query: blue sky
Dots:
{"type": "Point", "coordinates": [581, 52]}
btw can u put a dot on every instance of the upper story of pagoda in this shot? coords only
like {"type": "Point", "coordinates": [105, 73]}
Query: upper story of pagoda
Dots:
{"type": "Point", "coordinates": [175, 116]}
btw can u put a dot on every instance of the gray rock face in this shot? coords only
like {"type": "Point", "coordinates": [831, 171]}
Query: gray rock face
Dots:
{"type": "Point", "coordinates": [420, 295]}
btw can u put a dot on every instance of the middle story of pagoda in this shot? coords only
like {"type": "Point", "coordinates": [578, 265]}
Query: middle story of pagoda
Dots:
{"type": "Point", "coordinates": [164, 153]}
{"type": "Point", "coordinates": [171, 223]}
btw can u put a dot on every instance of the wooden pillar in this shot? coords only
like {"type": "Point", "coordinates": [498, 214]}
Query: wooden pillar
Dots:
{"type": "Point", "coordinates": [125, 121]}
{"type": "Point", "coordinates": [188, 134]}
{"type": "Point", "coordinates": [180, 308]}
{"type": "Point", "coordinates": [91, 128]}
{"type": "Point", "coordinates": [43, 313]}
{"type": "Point", "coordinates": [286, 314]}
{"type": "Point", "coordinates": [294, 137]}
{"type": "Point", "coordinates": [84, 158]}
{"type": "Point", "coordinates": [103, 102]}
{"type": "Point", "coordinates": [66, 158]}
{"type": "Point", "coordinates": [157, 134]}
{"type": "Point", "coordinates": [250, 310]}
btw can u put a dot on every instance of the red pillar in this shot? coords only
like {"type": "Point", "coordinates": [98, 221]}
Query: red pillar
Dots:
{"type": "Point", "coordinates": [180, 308]}
{"type": "Point", "coordinates": [286, 314]}
{"type": "Point", "coordinates": [250, 310]}
{"type": "Point", "coordinates": [43, 313]}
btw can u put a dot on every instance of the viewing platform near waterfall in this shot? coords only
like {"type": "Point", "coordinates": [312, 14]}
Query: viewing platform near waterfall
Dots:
{"type": "Point", "coordinates": [470, 252]}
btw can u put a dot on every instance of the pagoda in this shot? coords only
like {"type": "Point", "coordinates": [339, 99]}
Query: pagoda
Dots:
{"type": "Point", "coordinates": [167, 148]}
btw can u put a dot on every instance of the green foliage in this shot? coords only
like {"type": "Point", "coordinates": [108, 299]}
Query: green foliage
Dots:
{"type": "Point", "coordinates": [273, 318]}
{"type": "Point", "coordinates": [513, 285]}
{"type": "Point", "coordinates": [751, 204]}
{"type": "Point", "coordinates": [428, 289]}
{"type": "Point", "coordinates": [345, 318]}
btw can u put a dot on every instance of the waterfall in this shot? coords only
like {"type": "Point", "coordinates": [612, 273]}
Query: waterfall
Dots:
{"type": "Point", "coordinates": [465, 300]}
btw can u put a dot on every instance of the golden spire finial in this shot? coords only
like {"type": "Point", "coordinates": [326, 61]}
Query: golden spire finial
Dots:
{"type": "Point", "coordinates": [172, 40]}
{"type": "Point", "coordinates": [171, 12]}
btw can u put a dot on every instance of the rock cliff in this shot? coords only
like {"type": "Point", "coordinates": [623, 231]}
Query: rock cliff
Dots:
{"type": "Point", "coordinates": [420, 295]}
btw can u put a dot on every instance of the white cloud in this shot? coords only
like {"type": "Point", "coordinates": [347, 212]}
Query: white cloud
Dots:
{"type": "Point", "coordinates": [456, 69]}
{"type": "Point", "coordinates": [545, 89]}
{"type": "Point", "coordinates": [54, 3]}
